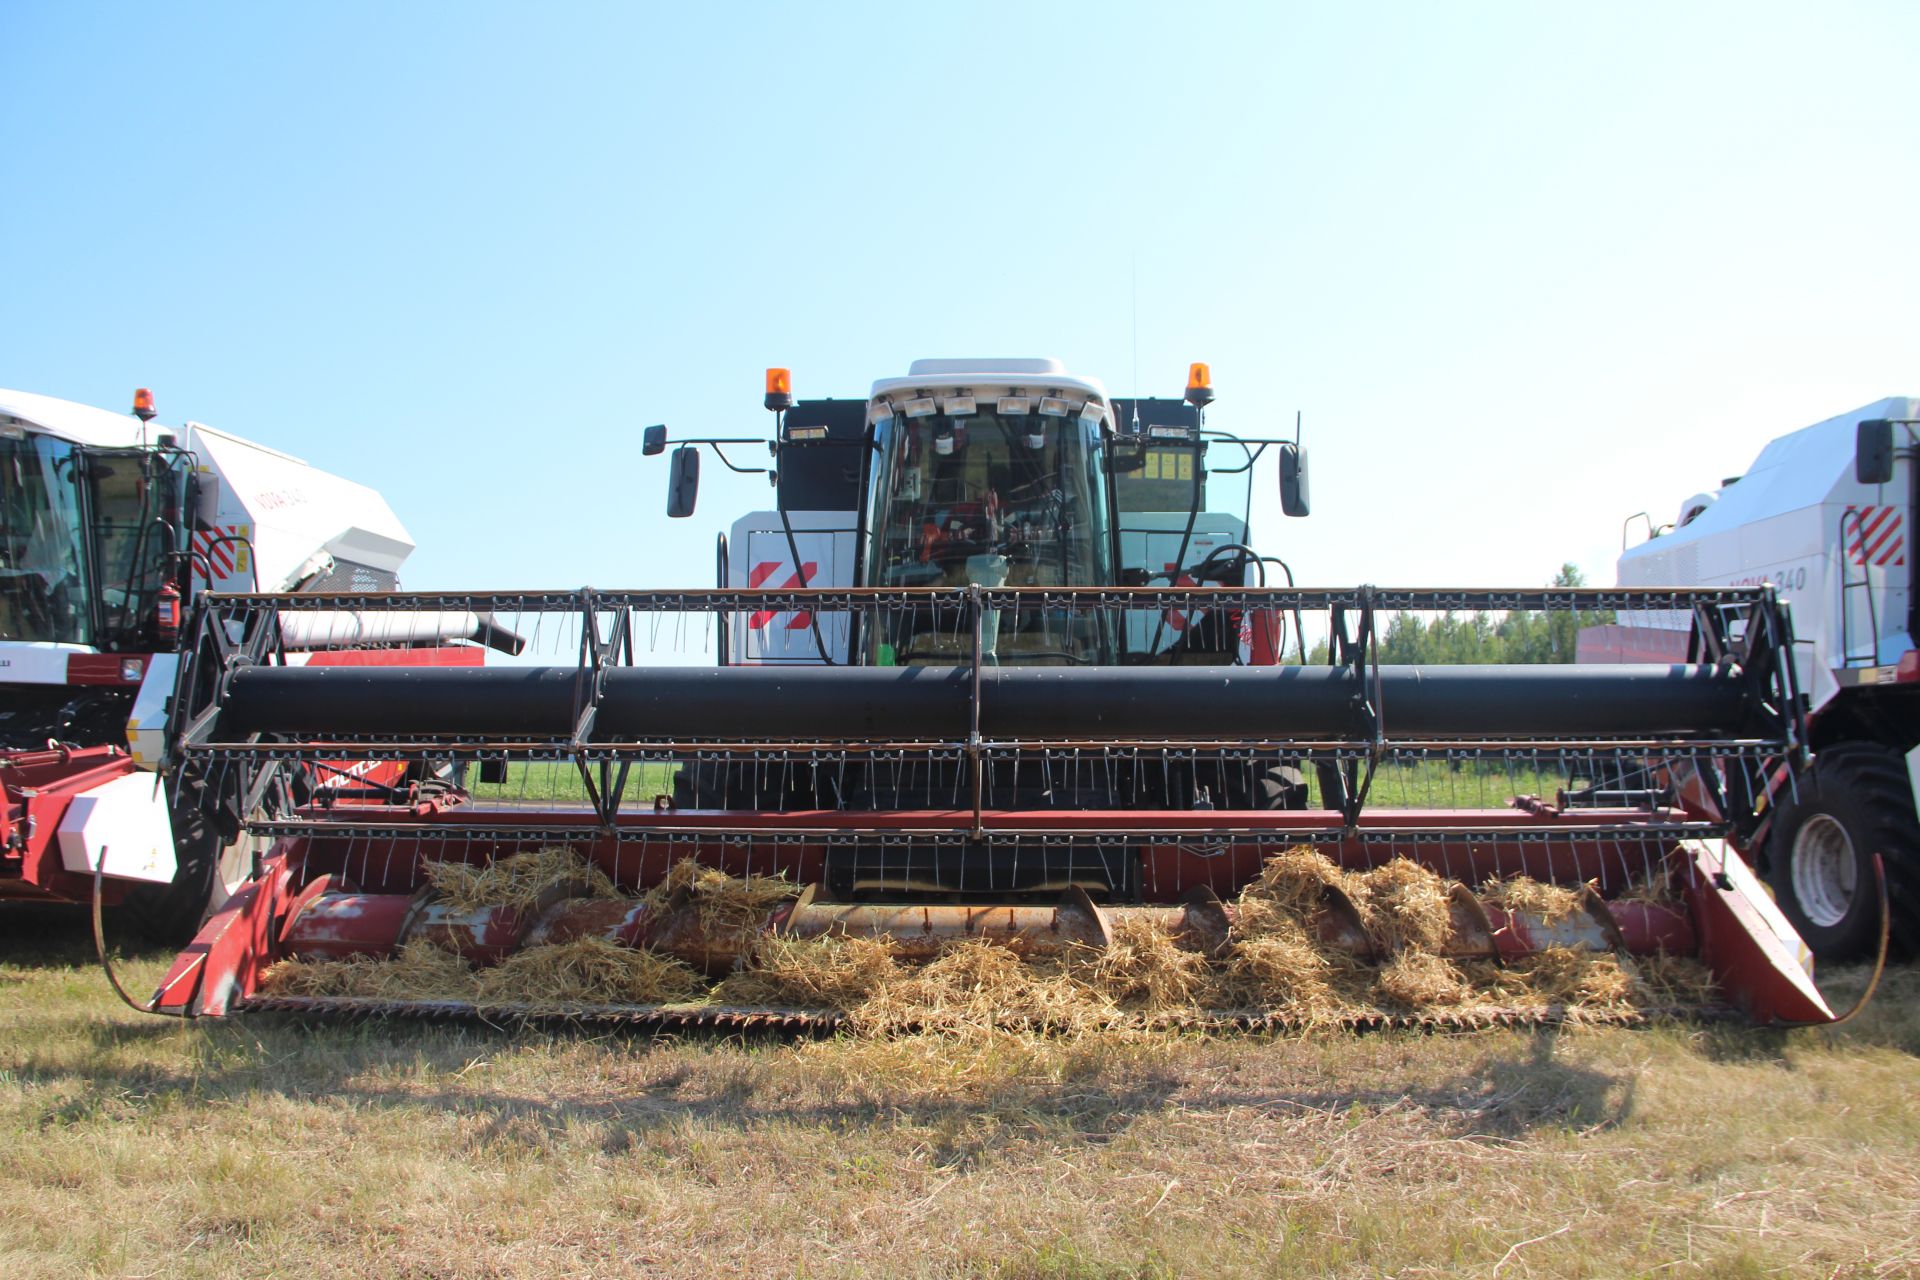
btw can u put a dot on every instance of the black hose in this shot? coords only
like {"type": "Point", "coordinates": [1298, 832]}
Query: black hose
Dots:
{"type": "Point", "coordinates": [800, 572]}
{"type": "Point", "coordinates": [100, 946]}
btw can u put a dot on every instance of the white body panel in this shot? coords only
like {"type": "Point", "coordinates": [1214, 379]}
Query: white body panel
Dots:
{"type": "Point", "coordinates": [147, 722]}
{"type": "Point", "coordinates": [126, 819]}
{"type": "Point", "coordinates": [758, 556]}
{"type": "Point", "coordinates": [288, 511]}
{"type": "Point", "coordinates": [1782, 523]}
{"type": "Point", "coordinates": [36, 661]}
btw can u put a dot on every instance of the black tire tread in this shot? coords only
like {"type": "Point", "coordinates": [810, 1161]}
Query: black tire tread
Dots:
{"type": "Point", "coordinates": [1878, 775]}
{"type": "Point", "coordinates": [170, 914]}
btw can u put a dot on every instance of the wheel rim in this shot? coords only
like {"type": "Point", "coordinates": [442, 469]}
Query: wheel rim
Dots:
{"type": "Point", "coordinates": [1823, 870]}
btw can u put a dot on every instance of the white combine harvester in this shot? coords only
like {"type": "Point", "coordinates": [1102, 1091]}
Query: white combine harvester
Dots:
{"type": "Point", "coordinates": [1825, 514]}
{"type": "Point", "coordinates": [109, 525]}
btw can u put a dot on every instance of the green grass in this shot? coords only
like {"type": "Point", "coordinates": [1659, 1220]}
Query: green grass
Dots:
{"type": "Point", "coordinates": [139, 1147]}
{"type": "Point", "coordinates": [558, 781]}
{"type": "Point", "coordinates": [1436, 784]}
{"type": "Point", "coordinates": [1428, 784]}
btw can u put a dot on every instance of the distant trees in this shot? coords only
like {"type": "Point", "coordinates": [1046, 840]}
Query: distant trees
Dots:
{"type": "Point", "coordinates": [1451, 638]}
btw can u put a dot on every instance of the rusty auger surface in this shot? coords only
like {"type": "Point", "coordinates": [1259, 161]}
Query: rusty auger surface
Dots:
{"type": "Point", "coordinates": [335, 925]}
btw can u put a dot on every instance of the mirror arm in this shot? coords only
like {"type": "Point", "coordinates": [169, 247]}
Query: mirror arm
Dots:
{"type": "Point", "coordinates": [720, 454]}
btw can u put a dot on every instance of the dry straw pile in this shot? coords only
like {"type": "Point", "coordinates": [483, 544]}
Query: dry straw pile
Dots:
{"type": "Point", "coordinates": [520, 881]}
{"type": "Point", "coordinates": [1550, 902]}
{"type": "Point", "coordinates": [731, 909]}
{"type": "Point", "coordinates": [1274, 967]}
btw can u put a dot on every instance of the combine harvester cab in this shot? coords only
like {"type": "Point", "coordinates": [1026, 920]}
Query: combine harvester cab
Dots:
{"type": "Point", "coordinates": [111, 526]}
{"type": "Point", "coordinates": [995, 736]}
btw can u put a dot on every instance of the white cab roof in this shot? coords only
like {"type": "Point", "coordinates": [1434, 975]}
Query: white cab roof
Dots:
{"type": "Point", "coordinates": [81, 423]}
{"type": "Point", "coordinates": [993, 371]}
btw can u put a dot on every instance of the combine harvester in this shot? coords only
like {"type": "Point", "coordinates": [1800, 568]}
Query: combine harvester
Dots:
{"type": "Point", "coordinates": [1825, 514]}
{"type": "Point", "coordinates": [110, 526]}
{"type": "Point", "coordinates": [1001, 689]}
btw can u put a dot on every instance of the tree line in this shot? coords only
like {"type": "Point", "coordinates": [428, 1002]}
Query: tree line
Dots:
{"type": "Point", "coordinates": [1412, 638]}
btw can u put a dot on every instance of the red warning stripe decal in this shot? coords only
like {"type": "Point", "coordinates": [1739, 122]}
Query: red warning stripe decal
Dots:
{"type": "Point", "coordinates": [1874, 535]}
{"type": "Point", "coordinates": [217, 548]}
{"type": "Point", "coordinates": [758, 577]}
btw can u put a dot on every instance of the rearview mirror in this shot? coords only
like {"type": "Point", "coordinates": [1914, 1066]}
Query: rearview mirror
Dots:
{"type": "Point", "coordinates": [1294, 499]}
{"type": "Point", "coordinates": [654, 440]}
{"type": "Point", "coordinates": [1873, 451]}
{"type": "Point", "coordinates": [683, 485]}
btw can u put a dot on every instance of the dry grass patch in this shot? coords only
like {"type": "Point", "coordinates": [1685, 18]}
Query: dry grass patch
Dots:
{"type": "Point", "coordinates": [978, 986]}
{"type": "Point", "coordinates": [1420, 980]}
{"type": "Point", "coordinates": [390, 1150]}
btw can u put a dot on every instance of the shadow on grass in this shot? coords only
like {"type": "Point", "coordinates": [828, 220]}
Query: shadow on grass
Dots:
{"type": "Point", "coordinates": [1502, 1095]}
{"type": "Point", "coordinates": [631, 1087]}
{"type": "Point", "coordinates": [35, 935]}
{"type": "Point", "coordinates": [665, 1084]}
{"type": "Point", "coordinates": [1890, 1020]}
{"type": "Point", "coordinates": [652, 1090]}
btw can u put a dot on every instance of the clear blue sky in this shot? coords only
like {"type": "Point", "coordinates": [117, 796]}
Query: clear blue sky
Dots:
{"type": "Point", "coordinates": [1526, 268]}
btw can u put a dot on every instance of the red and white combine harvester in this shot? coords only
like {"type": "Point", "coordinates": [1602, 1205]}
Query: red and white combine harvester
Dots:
{"type": "Point", "coordinates": [111, 526]}
{"type": "Point", "coordinates": [1825, 515]}
{"type": "Point", "coordinates": [1000, 667]}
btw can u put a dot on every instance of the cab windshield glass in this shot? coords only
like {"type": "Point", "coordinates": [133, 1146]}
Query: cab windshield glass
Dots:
{"type": "Point", "coordinates": [993, 500]}
{"type": "Point", "coordinates": [137, 499]}
{"type": "Point", "coordinates": [43, 582]}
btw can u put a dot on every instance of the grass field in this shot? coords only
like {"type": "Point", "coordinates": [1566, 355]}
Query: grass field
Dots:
{"type": "Point", "coordinates": [1429, 784]}
{"type": "Point", "coordinates": [546, 780]}
{"type": "Point", "coordinates": [131, 1146]}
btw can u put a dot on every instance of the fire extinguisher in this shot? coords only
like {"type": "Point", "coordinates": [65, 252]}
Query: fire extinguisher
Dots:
{"type": "Point", "coordinates": [167, 615]}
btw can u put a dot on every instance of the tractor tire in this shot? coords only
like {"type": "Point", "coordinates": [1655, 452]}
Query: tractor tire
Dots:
{"type": "Point", "coordinates": [209, 869]}
{"type": "Point", "coordinates": [1857, 801]}
{"type": "Point", "coordinates": [1282, 787]}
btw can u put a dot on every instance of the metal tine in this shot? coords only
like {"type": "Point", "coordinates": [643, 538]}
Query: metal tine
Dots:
{"type": "Point", "coordinates": [1646, 856]}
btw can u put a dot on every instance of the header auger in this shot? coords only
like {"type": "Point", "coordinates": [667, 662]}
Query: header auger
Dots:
{"type": "Point", "coordinates": [1001, 731]}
